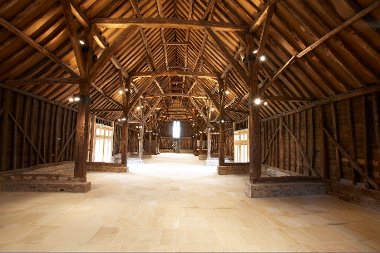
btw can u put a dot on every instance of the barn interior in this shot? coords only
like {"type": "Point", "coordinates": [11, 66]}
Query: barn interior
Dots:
{"type": "Point", "coordinates": [192, 125]}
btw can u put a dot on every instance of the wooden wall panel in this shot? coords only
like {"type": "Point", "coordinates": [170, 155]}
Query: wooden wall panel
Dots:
{"type": "Point", "coordinates": [328, 138]}
{"type": "Point", "coordinates": [37, 131]}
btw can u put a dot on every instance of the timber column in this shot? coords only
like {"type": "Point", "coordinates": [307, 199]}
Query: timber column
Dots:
{"type": "Point", "coordinates": [222, 136]}
{"type": "Point", "coordinates": [125, 93]}
{"type": "Point", "coordinates": [208, 143]}
{"type": "Point", "coordinates": [141, 141]}
{"type": "Point", "coordinates": [201, 143]}
{"type": "Point", "coordinates": [124, 141]}
{"type": "Point", "coordinates": [254, 95]}
{"type": "Point", "coordinates": [81, 135]}
{"type": "Point", "coordinates": [254, 112]}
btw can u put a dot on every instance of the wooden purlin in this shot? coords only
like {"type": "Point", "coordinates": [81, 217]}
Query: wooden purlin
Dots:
{"type": "Point", "coordinates": [37, 46]}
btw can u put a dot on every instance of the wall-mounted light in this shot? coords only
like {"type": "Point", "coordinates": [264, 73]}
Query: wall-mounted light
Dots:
{"type": "Point", "coordinates": [257, 101]}
{"type": "Point", "coordinates": [74, 98]}
{"type": "Point", "coordinates": [82, 42]}
{"type": "Point", "coordinates": [265, 103]}
{"type": "Point", "coordinates": [254, 51]}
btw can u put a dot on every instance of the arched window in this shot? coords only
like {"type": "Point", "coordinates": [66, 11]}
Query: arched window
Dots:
{"type": "Point", "coordinates": [176, 129]}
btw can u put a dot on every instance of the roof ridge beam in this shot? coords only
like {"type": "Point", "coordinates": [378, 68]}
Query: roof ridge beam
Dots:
{"type": "Point", "coordinates": [167, 23]}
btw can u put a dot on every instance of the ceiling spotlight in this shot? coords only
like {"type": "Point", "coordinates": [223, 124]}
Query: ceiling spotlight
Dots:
{"type": "Point", "coordinates": [126, 89]}
{"type": "Point", "coordinates": [227, 92]}
{"type": "Point", "coordinates": [138, 107]}
{"type": "Point", "coordinates": [255, 51]}
{"type": "Point", "coordinates": [124, 119]}
{"type": "Point", "coordinates": [142, 106]}
{"type": "Point", "coordinates": [212, 109]}
{"type": "Point", "coordinates": [265, 103]}
{"type": "Point", "coordinates": [120, 92]}
{"type": "Point", "coordinates": [71, 99]}
{"type": "Point", "coordinates": [76, 99]}
{"type": "Point", "coordinates": [222, 121]}
{"type": "Point", "coordinates": [81, 42]}
{"type": "Point", "coordinates": [257, 101]}
{"type": "Point", "coordinates": [263, 58]}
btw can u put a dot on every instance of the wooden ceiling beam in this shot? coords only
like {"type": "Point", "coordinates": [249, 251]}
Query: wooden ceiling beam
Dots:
{"type": "Point", "coordinates": [172, 73]}
{"type": "Point", "coordinates": [224, 50]}
{"type": "Point", "coordinates": [151, 110]}
{"type": "Point", "coordinates": [66, 6]}
{"type": "Point", "coordinates": [177, 95]}
{"type": "Point", "coordinates": [173, 23]}
{"type": "Point", "coordinates": [43, 81]}
{"type": "Point", "coordinates": [108, 52]}
{"type": "Point", "coordinates": [115, 102]}
{"type": "Point", "coordinates": [287, 98]}
{"type": "Point", "coordinates": [261, 16]}
{"type": "Point", "coordinates": [176, 44]}
{"type": "Point", "coordinates": [144, 86]}
{"type": "Point", "coordinates": [210, 96]}
{"type": "Point", "coordinates": [37, 46]}
{"type": "Point", "coordinates": [308, 49]}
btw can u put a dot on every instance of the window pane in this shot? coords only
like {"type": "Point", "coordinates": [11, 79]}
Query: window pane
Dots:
{"type": "Point", "coordinates": [176, 129]}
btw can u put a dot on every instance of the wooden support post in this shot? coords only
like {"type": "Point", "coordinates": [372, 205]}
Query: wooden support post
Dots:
{"type": "Point", "coordinates": [209, 131]}
{"type": "Point", "coordinates": [366, 141]}
{"type": "Point", "coordinates": [222, 134]}
{"type": "Point", "coordinates": [124, 141]}
{"type": "Point", "coordinates": [5, 131]}
{"type": "Point", "coordinates": [141, 142]}
{"type": "Point", "coordinates": [200, 143]}
{"type": "Point", "coordinates": [281, 146]}
{"type": "Point", "coordinates": [323, 148]}
{"type": "Point", "coordinates": [150, 143]}
{"type": "Point", "coordinates": [208, 143]}
{"type": "Point", "coordinates": [351, 130]}
{"type": "Point", "coordinates": [222, 145]}
{"type": "Point", "coordinates": [339, 172]}
{"type": "Point", "coordinates": [92, 138]}
{"type": "Point", "coordinates": [375, 112]}
{"type": "Point", "coordinates": [81, 137]}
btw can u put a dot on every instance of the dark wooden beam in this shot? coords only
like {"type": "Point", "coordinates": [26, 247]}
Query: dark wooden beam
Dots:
{"type": "Point", "coordinates": [350, 94]}
{"type": "Point", "coordinates": [108, 52]}
{"type": "Point", "coordinates": [320, 41]}
{"type": "Point", "coordinates": [43, 81]}
{"type": "Point", "coordinates": [287, 98]}
{"type": "Point", "coordinates": [37, 46]}
{"type": "Point", "coordinates": [230, 58]}
{"type": "Point", "coordinates": [261, 16]}
{"type": "Point", "coordinates": [253, 84]}
{"type": "Point", "coordinates": [66, 6]}
{"type": "Point", "coordinates": [173, 23]}
{"type": "Point", "coordinates": [176, 44]}
{"type": "Point", "coordinates": [146, 84]}
{"type": "Point", "coordinates": [172, 73]}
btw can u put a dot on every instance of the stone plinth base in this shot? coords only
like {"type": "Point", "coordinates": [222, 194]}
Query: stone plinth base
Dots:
{"type": "Point", "coordinates": [44, 183]}
{"type": "Point", "coordinates": [202, 157]}
{"type": "Point", "coordinates": [354, 193]}
{"type": "Point", "coordinates": [233, 169]}
{"type": "Point", "coordinates": [106, 167]}
{"type": "Point", "coordinates": [282, 188]}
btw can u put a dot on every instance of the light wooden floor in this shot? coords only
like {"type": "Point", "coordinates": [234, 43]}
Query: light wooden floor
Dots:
{"type": "Point", "coordinates": [175, 203]}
